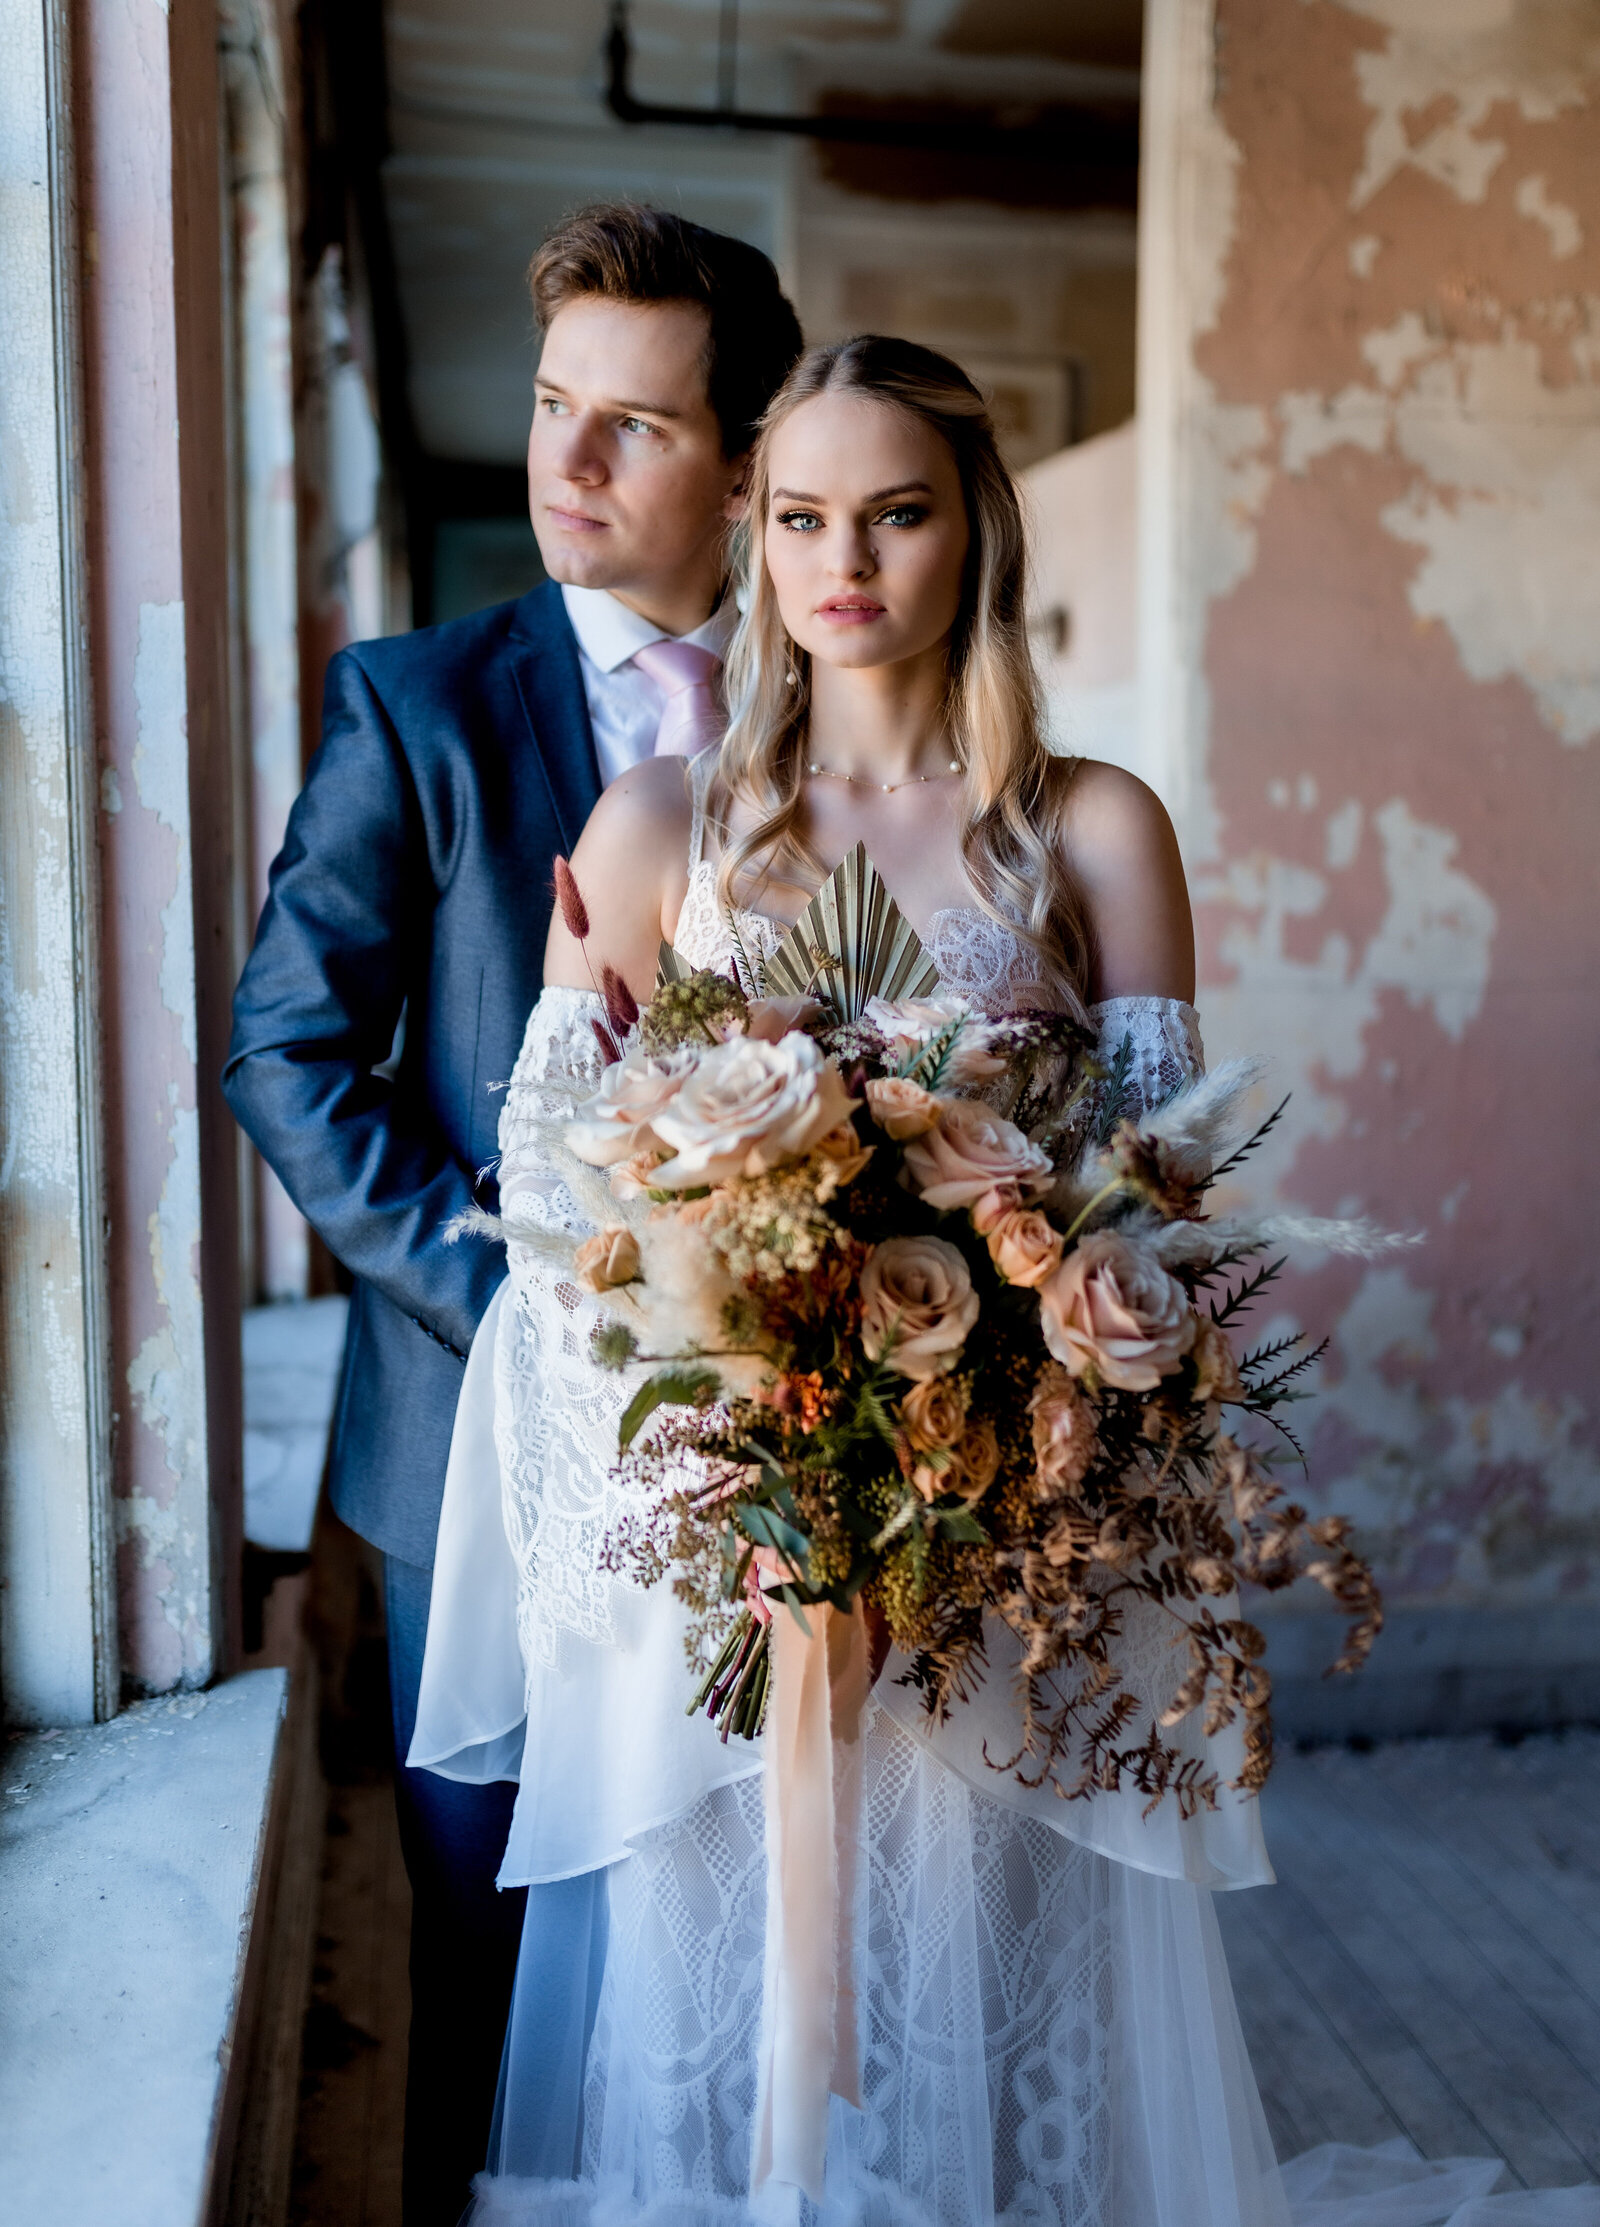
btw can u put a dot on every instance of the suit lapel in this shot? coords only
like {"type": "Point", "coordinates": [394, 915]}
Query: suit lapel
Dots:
{"type": "Point", "coordinates": [549, 682]}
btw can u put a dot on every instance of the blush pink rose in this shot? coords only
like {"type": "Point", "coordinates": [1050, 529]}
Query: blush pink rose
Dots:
{"type": "Point", "coordinates": [1111, 1308]}
{"type": "Point", "coordinates": [972, 1152]}
{"type": "Point", "coordinates": [918, 1305]}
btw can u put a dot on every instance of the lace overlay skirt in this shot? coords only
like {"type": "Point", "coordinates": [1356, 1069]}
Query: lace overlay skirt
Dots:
{"type": "Point", "coordinates": [1048, 2036]}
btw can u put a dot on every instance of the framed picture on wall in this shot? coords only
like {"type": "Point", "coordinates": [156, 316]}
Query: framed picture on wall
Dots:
{"type": "Point", "coordinates": [1033, 401]}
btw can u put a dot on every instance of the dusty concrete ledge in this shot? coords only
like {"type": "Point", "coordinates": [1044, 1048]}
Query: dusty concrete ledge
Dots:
{"type": "Point", "coordinates": [1437, 1672]}
{"type": "Point", "coordinates": [132, 1856]}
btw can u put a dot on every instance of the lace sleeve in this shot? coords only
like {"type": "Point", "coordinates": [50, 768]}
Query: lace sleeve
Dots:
{"type": "Point", "coordinates": [1164, 1037]}
{"type": "Point", "coordinates": [556, 1413]}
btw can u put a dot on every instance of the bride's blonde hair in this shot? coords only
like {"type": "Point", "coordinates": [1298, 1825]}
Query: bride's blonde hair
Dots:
{"type": "Point", "coordinates": [1014, 790]}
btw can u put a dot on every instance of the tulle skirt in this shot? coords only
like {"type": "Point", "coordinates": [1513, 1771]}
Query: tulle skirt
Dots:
{"type": "Point", "coordinates": [1048, 2036]}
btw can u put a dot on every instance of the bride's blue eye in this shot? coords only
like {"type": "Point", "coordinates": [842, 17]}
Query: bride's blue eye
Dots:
{"type": "Point", "coordinates": [799, 521]}
{"type": "Point", "coordinates": [903, 514]}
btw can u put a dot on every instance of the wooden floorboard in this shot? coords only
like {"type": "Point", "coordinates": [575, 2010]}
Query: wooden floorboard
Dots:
{"type": "Point", "coordinates": [1429, 1962]}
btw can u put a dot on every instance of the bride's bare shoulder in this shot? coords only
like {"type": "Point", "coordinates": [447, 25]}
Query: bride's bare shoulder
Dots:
{"type": "Point", "coordinates": [639, 815]}
{"type": "Point", "coordinates": [1119, 842]}
{"type": "Point", "coordinates": [631, 868]}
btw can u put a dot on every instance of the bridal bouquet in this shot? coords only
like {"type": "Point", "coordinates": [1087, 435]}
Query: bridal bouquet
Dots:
{"type": "Point", "coordinates": [935, 1321]}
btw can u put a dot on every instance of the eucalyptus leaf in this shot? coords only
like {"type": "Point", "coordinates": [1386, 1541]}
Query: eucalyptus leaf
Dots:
{"type": "Point", "coordinates": [683, 1385]}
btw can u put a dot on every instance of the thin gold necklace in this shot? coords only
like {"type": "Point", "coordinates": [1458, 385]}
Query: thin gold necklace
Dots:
{"type": "Point", "coordinates": [860, 781]}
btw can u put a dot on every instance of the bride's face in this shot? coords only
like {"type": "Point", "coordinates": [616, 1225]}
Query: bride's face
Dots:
{"type": "Point", "coordinates": [866, 532]}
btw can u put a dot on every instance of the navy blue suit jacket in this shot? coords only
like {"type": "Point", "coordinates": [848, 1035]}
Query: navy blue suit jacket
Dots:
{"type": "Point", "coordinates": [415, 876]}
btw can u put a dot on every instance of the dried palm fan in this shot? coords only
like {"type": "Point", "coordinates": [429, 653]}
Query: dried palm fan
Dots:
{"type": "Point", "coordinates": [851, 944]}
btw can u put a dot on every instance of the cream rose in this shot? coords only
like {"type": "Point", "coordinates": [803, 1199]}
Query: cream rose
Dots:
{"type": "Point", "coordinates": [1024, 1246]}
{"type": "Point", "coordinates": [901, 1108]}
{"type": "Point", "coordinates": [615, 1124]}
{"type": "Point", "coordinates": [746, 1107]}
{"type": "Point", "coordinates": [906, 1025]}
{"type": "Point", "coordinates": [973, 1151]}
{"type": "Point", "coordinates": [609, 1258]}
{"type": "Point", "coordinates": [918, 1305]}
{"type": "Point", "coordinates": [1112, 1307]}
{"type": "Point", "coordinates": [1064, 1437]}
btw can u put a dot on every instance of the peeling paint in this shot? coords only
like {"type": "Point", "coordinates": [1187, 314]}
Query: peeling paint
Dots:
{"type": "Point", "coordinates": [1382, 445]}
{"type": "Point", "coordinates": [161, 772]}
{"type": "Point", "coordinates": [1560, 223]}
{"type": "Point", "coordinates": [1445, 69]}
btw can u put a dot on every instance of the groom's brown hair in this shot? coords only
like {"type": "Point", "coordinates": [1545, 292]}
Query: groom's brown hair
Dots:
{"type": "Point", "coordinates": [626, 252]}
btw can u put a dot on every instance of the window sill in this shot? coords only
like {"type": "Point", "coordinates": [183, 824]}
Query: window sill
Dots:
{"type": "Point", "coordinates": [142, 1935]}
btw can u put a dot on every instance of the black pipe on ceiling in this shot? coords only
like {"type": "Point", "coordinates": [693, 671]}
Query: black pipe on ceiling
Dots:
{"type": "Point", "coordinates": [1101, 137]}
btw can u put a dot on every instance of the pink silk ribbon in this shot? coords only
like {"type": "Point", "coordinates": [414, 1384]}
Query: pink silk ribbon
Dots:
{"type": "Point", "coordinates": [810, 2044]}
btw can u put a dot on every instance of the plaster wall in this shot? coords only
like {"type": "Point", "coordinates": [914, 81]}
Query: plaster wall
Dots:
{"type": "Point", "coordinates": [1370, 552]}
{"type": "Point", "coordinates": [158, 481]}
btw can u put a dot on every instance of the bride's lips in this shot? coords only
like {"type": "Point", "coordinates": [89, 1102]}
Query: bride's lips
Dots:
{"type": "Point", "coordinates": [850, 610]}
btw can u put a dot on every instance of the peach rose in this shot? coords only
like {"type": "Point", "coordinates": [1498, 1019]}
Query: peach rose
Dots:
{"type": "Point", "coordinates": [845, 1156]}
{"type": "Point", "coordinates": [1112, 1307]}
{"type": "Point", "coordinates": [608, 1258]}
{"type": "Point", "coordinates": [971, 1152]}
{"type": "Point", "coordinates": [1064, 1437]}
{"type": "Point", "coordinates": [901, 1108]}
{"type": "Point", "coordinates": [747, 1107]}
{"type": "Point", "coordinates": [918, 1305]}
{"type": "Point", "coordinates": [934, 1413]}
{"type": "Point", "coordinates": [1024, 1246]}
{"type": "Point", "coordinates": [969, 1467]}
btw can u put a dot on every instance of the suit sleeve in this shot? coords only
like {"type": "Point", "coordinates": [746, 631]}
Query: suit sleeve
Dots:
{"type": "Point", "coordinates": [344, 930]}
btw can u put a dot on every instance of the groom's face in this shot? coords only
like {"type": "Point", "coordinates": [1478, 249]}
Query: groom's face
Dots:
{"type": "Point", "coordinates": [627, 483]}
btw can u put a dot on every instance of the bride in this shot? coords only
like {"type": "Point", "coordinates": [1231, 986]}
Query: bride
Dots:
{"type": "Point", "coordinates": [1047, 2029]}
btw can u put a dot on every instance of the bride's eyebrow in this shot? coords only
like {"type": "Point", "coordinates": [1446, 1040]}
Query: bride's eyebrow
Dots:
{"type": "Point", "coordinates": [906, 487]}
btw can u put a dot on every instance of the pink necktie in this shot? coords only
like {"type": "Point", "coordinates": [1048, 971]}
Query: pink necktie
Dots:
{"type": "Point", "coordinates": [692, 718]}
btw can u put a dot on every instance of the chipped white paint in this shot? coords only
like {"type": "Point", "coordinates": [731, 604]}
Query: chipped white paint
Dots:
{"type": "Point", "coordinates": [57, 1646]}
{"type": "Point", "coordinates": [1433, 945]}
{"type": "Point", "coordinates": [1505, 502]}
{"type": "Point", "coordinates": [1363, 254]}
{"type": "Point", "coordinates": [1454, 62]}
{"type": "Point", "coordinates": [1514, 1462]}
{"type": "Point", "coordinates": [1201, 478]}
{"type": "Point", "coordinates": [1532, 199]}
{"type": "Point", "coordinates": [161, 775]}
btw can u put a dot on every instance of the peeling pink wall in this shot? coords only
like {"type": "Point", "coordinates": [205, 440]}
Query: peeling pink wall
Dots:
{"type": "Point", "coordinates": [157, 472]}
{"type": "Point", "coordinates": [1393, 478]}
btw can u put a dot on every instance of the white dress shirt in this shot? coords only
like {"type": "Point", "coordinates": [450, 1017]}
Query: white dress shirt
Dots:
{"type": "Point", "coordinates": [624, 704]}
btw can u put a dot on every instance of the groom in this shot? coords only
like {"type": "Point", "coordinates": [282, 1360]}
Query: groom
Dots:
{"type": "Point", "coordinates": [402, 948]}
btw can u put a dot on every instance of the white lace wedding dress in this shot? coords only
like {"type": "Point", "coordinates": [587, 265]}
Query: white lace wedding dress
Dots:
{"type": "Point", "coordinates": [1049, 2034]}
